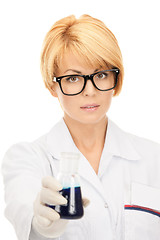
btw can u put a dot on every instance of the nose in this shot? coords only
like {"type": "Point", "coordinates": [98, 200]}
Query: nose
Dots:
{"type": "Point", "coordinates": [89, 89]}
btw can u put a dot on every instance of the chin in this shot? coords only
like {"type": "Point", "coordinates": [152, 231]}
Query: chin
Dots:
{"type": "Point", "coordinates": [91, 119]}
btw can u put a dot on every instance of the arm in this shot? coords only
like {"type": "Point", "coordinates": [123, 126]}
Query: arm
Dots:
{"type": "Point", "coordinates": [22, 172]}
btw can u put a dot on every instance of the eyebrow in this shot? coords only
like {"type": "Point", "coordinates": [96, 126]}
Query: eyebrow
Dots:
{"type": "Point", "coordinates": [79, 72]}
{"type": "Point", "coordinates": [76, 71]}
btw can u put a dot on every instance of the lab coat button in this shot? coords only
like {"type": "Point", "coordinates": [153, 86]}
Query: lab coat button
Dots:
{"type": "Point", "coordinates": [106, 205]}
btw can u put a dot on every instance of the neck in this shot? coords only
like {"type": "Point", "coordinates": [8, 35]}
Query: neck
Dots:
{"type": "Point", "coordinates": [87, 136]}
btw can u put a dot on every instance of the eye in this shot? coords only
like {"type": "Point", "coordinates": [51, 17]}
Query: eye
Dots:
{"type": "Point", "coordinates": [101, 75]}
{"type": "Point", "coordinates": [72, 79]}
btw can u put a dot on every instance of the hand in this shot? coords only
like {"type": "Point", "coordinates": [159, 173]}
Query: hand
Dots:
{"type": "Point", "coordinates": [46, 220]}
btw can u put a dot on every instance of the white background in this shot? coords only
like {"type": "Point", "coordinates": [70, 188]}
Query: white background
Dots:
{"type": "Point", "coordinates": [27, 110]}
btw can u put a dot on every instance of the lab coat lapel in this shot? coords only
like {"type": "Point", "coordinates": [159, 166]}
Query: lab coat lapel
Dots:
{"type": "Point", "coordinates": [88, 174]}
{"type": "Point", "coordinates": [59, 140]}
{"type": "Point", "coordinates": [117, 144]}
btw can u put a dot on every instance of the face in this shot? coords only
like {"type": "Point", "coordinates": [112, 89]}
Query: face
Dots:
{"type": "Point", "coordinates": [88, 107]}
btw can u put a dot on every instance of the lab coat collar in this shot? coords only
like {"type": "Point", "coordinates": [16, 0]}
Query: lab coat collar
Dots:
{"type": "Point", "coordinates": [59, 140]}
{"type": "Point", "coordinates": [117, 143]}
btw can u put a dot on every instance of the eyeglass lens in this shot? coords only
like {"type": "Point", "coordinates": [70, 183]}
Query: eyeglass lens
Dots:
{"type": "Point", "coordinates": [74, 84]}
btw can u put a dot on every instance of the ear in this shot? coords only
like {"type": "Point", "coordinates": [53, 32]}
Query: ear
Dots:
{"type": "Point", "coordinates": [53, 92]}
{"type": "Point", "coordinates": [113, 93]}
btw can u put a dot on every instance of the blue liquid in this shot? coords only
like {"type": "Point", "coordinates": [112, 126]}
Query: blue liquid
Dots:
{"type": "Point", "coordinates": [74, 207]}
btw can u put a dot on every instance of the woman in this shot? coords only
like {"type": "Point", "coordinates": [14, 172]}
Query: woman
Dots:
{"type": "Point", "coordinates": [81, 65]}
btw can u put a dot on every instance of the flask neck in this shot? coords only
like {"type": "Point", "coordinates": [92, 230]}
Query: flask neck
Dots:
{"type": "Point", "coordinates": [69, 163]}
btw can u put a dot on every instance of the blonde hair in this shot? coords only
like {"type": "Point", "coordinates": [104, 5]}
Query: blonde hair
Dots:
{"type": "Point", "coordinates": [88, 38]}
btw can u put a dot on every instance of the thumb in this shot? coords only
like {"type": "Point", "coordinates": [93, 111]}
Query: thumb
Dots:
{"type": "Point", "coordinates": [85, 202]}
{"type": "Point", "coordinates": [42, 221]}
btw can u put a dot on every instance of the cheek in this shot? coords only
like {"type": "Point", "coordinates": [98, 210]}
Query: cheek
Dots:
{"type": "Point", "coordinates": [107, 98]}
{"type": "Point", "coordinates": [66, 102]}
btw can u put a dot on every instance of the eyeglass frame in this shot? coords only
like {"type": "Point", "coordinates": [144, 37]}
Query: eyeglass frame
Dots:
{"type": "Point", "coordinates": [86, 78]}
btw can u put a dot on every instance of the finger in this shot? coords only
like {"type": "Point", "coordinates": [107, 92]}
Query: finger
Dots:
{"type": "Point", "coordinates": [52, 198]}
{"type": "Point", "coordinates": [43, 221]}
{"type": "Point", "coordinates": [85, 202]}
{"type": "Point", "coordinates": [47, 213]}
{"type": "Point", "coordinates": [51, 183]}
{"type": "Point", "coordinates": [44, 211]}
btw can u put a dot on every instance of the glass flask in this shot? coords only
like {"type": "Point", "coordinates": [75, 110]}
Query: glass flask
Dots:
{"type": "Point", "coordinates": [69, 178]}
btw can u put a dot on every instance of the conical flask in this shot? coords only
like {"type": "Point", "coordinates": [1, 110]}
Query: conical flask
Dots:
{"type": "Point", "coordinates": [70, 180]}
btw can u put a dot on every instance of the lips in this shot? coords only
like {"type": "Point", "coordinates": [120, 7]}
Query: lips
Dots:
{"type": "Point", "coordinates": [90, 107]}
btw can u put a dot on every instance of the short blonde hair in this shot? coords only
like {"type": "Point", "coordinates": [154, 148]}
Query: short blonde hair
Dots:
{"type": "Point", "coordinates": [88, 38]}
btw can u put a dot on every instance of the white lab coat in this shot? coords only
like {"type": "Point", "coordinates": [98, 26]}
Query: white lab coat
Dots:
{"type": "Point", "coordinates": [129, 174]}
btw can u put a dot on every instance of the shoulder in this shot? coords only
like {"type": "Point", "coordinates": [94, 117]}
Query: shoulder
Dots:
{"type": "Point", "coordinates": [128, 142]}
{"type": "Point", "coordinates": [36, 146]}
{"type": "Point", "coordinates": [19, 156]}
{"type": "Point", "coordinates": [41, 149]}
{"type": "Point", "coordinates": [145, 147]}
{"type": "Point", "coordinates": [143, 144]}
{"type": "Point", "coordinates": [30, 153]}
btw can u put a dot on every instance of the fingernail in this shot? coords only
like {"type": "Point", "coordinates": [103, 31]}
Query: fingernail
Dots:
{"type": "Point", "coordinates": [64, 201]}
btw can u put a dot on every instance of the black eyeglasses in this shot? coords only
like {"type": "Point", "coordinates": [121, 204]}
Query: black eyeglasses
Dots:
{"type": "Point", "coordinates": [71, 85]}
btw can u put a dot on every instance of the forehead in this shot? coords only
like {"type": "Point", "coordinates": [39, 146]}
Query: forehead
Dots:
{"type": "Point", "coordinates": [70, 61]}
